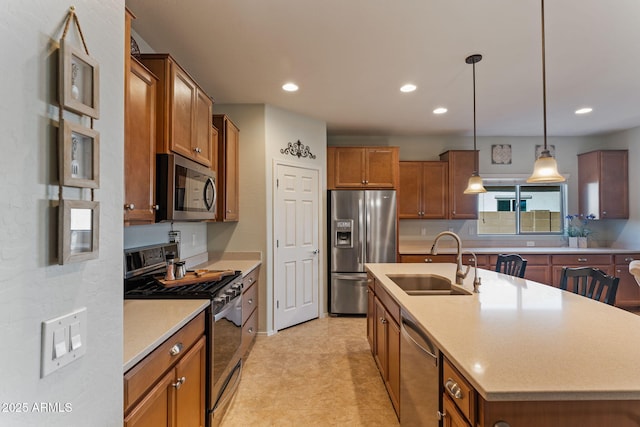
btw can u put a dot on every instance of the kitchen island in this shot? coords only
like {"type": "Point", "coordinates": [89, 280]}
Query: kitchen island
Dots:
{"type": "Point", "coordinates": [534, 354]}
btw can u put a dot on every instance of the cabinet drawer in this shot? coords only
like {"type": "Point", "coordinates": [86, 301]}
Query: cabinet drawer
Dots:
{"type": "Point", "coordinates": [580, 259]}
{"type": "Point", "coordinates": [249, 331]}
{"type": "Point", "coordinates": [460, 391]}
{"type": "Point", "coordinates": [531, 259]}
{"type": "Point", "coordinates": [389, 303]}
{"type": "Point", "coordinates": [147, 372]}
{"type": "Point", "coordinates": [249, 301]}
{"type": "Point", "coordinates": [250, 278]}
{"type": "Point", "coordinates": [626, 258]}
{"type": "Point", "coordinates": [428, 258]}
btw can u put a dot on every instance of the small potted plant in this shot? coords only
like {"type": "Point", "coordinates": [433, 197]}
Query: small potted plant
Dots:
{"type": "Point", "coordinates": [577, 229]}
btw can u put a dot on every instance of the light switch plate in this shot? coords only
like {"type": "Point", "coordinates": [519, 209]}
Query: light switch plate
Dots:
{"type": "Point", "coordinates": [63, 340]}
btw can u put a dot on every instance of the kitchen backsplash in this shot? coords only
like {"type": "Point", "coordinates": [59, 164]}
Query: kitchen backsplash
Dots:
{"type": "Point", "coordinates": [193, 236]}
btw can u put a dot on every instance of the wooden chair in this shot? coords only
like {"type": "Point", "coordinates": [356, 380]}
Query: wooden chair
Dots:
{"type": "Point", "coordinates": [590, 282]}
{"type": "Point", "coordinates": [511, 264]}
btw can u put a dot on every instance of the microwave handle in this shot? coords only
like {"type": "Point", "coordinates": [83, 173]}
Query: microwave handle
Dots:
{"type": "Point", "coordinates": [211, 183]}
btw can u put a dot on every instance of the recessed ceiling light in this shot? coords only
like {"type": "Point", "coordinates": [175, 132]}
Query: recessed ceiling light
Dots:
{"type": "Point", "coordinates": [290, 87]}
{"type": "Point", "coordinates": [585, 110]}
{"type": "Point", "coordinates": [440, 110]}
{"type": "Point", "coordinates": [408, 88]}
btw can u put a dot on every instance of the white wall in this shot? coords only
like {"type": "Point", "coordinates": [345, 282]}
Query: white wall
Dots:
{"type": "Point", "coordinates": [33, 288]}
{"type": "Point", "coordinates": [264, 130]}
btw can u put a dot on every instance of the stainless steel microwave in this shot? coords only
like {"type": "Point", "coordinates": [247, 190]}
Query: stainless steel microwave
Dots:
{"type": "Point", "coordinates": [185, 190]}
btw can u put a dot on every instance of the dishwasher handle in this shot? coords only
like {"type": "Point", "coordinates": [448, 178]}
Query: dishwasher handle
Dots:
{"type": "Point", "coordinates": [411, 331]}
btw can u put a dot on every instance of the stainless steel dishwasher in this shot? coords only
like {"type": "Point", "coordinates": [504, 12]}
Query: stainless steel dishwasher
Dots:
{"type": "Point", "coordinates": [419, 376]}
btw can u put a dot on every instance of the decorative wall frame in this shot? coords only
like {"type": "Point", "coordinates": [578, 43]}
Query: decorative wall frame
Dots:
{"type": "Point", "coordinates": [78, 228]}
{"type": "Point", "coordinates": [79, 81]}
{"type": "Point", "coordinates": [501, 154]}
{"type": "Point", "coordinates": [298, 149]}
{"type": "Point", "coordinates": [79, 158]}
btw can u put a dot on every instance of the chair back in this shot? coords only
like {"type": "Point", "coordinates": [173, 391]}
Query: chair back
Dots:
{"type": "Point", "coordinates": [511, 264]}
{"type": "Point", "coordinates": [590, 282]}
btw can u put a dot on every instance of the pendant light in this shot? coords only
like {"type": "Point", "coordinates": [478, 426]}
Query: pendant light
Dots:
{"type": "Point", "coordinates": [545, 168]}
{"type": "Point", "coordinates": [475, 181]}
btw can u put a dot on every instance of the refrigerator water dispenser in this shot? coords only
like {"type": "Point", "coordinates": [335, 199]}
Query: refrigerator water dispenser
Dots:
{"type": "Point", "coordinates": [344, 233]}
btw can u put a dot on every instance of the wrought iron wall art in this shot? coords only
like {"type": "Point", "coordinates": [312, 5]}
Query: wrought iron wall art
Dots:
{"type": "Point", "coordinates": [298, 149]}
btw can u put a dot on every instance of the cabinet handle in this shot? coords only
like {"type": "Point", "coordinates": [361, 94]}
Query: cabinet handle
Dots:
{"type": "Point", "coordinates": [197, 150]}
{"type": "Point", "coordinates": [383, 320]}
{"type": "Point", "coordinates": [453, 388]}
{"type": "Point", "coordinates": [502, 424]}
{"type": "Point", "coordinates": [130, 206]}
{"type": "Point", "coordinates": [250, 330]}
{"type": "Point", "coordinates": [156, 207]}
{"type": "Point", "coordinates": [582, 260]}
{"type": "Point", "coordinates": [604, 213]}
{"type": "Point", "coordinates": [628, 259]}
{"type": "Point", "coordinates": [442, 415]}
{"type": "Point", "coordinates": [428, 260]}
{"type": "Point", "coordinates": [179, 382]}
{"type": "Point", "coordinates": [250, 301]}
{"type": "Point", "coordinates": [176, 349]}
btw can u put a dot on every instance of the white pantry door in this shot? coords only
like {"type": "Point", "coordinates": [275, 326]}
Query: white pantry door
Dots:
{"type": "Point", "coordinates": [296, 223]}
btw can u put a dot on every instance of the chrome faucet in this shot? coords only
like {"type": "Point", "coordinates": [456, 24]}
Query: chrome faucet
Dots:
{"type": "Point", "coordinates": [476, 279]}
{"type": "Point", "coordinates": [460, 275]}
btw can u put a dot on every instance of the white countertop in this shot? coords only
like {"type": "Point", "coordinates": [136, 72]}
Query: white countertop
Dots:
{"type": "Point", "coordinates": [148, 323]}
{"type": "Point", "coordinates": [424, 247]}
{"type": "Point", "coordinates": [522, 340]}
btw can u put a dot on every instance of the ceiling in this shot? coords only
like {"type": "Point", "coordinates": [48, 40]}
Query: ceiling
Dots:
{"type": "Point", "coordinates": [350, 57]}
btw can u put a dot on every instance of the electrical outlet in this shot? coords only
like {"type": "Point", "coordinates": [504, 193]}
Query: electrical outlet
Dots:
{"type": "Point", "coordinates": [423, 231]}
{"type": "Point", "coordinates": [530, 243]}
{"type": "Point", "coordinates": [193, 239]}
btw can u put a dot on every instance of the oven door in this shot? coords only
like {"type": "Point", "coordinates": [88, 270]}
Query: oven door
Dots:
{"type": "Point", "coordinates": [227, 336]}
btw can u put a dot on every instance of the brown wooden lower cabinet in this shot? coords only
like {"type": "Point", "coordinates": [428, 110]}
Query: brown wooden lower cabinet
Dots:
{"type": "Point", "coordinates": [167, 388]}
{"type": "Point", "coordinates": [249, 310]}
{"type": "Point", "coordinates": [383, 330]}
{"type": "Point", "coordinates": [452, 416]}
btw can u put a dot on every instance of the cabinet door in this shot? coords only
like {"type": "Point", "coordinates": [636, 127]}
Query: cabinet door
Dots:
{"type": "Point", "coordinates": [380, 352]}
{"type": "Point", "coordinates": [393, 363]}
{"type": "Point", "coordinates": [190, 395]}
{"type": "Point", "coordinates": [628, 290]}
{"type": "Point", "coordinates": [182, 104]}
{"type": "Point", "coordinates": [201, 147]}
{"type": "Point", "coordinates": [452, 417]}
{"type": "Point", "coordinates": [157, 408]}
{"type": "Point", "coordinates": [349, 167]}
{"type": "Point", "coordinates": [461, 166]}
{"type": "Point", "coordinates": [231, 190]}
{"type": "Point", "coordinates": [371, 317]}
{"type": "Point", "coordinates": [435, 190]}
{"type": "Point", "coordinates": [139, 143]}
{"type": "Point", "coordinates": [214, 150]}
{"type": "Point", "coordinates": [381, 167]}
{"type": "Point", "coordinates": [410, 190]}
{"type": "Point", "coordinates": [614, 188]}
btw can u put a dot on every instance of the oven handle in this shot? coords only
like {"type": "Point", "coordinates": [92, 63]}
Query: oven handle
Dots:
{"type": "Point", "coordinates": [233, 387]}
{"type": "Point", "coordinates": [227, 308]}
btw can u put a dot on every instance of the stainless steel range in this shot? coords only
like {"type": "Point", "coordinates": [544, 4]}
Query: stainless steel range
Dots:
{"type": "Point", "coordinates": [143, 266]}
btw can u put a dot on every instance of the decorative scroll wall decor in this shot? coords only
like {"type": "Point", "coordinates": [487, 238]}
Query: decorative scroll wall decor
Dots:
{"type": "Point", "coordinates": [298, 149]}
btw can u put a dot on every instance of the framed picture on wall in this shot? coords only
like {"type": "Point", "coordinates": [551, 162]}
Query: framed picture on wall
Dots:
{"type": "Point", "coordinates": [79, 159]}
{"type": "Point", "coordinates": [79, 85]}
{"type": "Point", "coordinates": [78, 225]}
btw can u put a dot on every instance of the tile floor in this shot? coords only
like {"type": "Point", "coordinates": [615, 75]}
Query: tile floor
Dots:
{"type": "Point", "coordinates": [320, 373]}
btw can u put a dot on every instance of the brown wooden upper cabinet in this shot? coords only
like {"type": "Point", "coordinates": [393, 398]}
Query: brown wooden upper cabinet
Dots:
{"type": "Point", "coordinates": [362, 167]}
{"type": "Point", "coordinates": [139, 138]}
{"type": "Point", "coordinates": [423, 190]}
{"type": "Point", "coordinates": [183, 111]}
{"type": "Point", "coordinates": [461, 166]}
{"type": "Point", "coordinates": [603, 182]}
{"type": "Point", "coordinates": [228, 169]}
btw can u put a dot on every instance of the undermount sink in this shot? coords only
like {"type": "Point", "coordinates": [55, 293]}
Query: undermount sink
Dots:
{"type": "Point", "coordinates": [426, 284]}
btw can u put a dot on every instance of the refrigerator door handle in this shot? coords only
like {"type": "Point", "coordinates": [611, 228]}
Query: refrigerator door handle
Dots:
{"type": "Point", "coordinates": [362, 241]}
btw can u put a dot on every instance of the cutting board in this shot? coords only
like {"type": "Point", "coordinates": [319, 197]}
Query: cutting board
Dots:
{"type": "Point", "coordinates": [198, 276]}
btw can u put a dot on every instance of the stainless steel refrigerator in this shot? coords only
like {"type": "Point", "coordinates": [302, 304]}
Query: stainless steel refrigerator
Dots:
{"type": "Point", "coordinates": [362, 227]}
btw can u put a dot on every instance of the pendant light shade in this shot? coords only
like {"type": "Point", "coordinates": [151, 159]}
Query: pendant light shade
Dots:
{"type": "Point", "coordinates": [545, 168]}
{"type": "Point", "coordinates": [475, 181]}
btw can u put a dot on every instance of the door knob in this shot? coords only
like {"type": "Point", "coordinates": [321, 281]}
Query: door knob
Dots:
{"type": "Point", "coordinates": [130, 206]}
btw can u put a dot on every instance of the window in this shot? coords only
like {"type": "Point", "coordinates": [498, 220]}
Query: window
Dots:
{"type": "Point", "coordinates": [521, 209]}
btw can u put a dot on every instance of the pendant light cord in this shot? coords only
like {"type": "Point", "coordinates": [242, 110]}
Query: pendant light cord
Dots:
{"type": "Point", "coordinates": [544, 82]}
{"type": "Point", "coordinates": [475, 155]}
